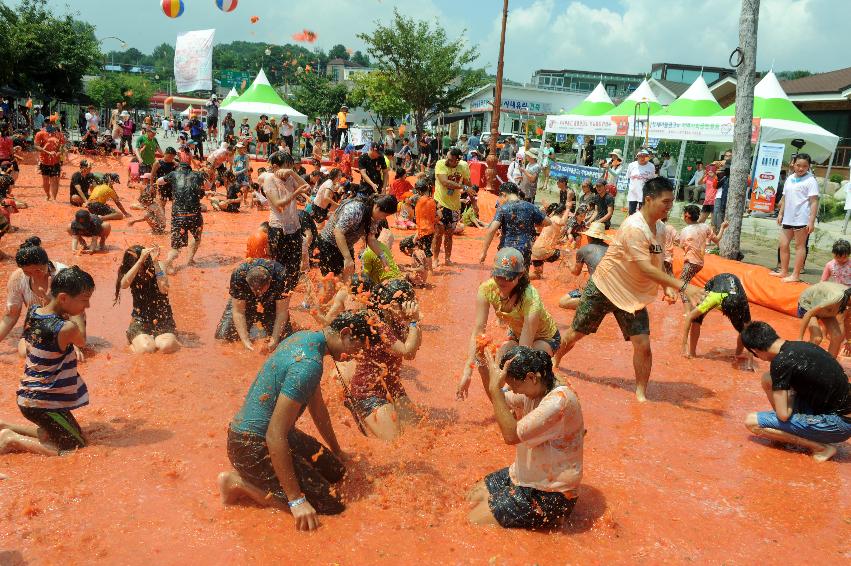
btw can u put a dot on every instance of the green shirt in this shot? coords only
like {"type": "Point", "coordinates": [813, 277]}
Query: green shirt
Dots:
{"type": "Point", "coordinates": [147, 149]}
{"type": "Point", "coordinates": [446, 141]}
{"type": "Point", "coordinates": [375, 270]}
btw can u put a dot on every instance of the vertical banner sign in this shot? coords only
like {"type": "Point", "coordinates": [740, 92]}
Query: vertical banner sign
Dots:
{"type": "Point", "coordinates": [766, 176]}
{"type": "Point", "coordinates": [193, 60]}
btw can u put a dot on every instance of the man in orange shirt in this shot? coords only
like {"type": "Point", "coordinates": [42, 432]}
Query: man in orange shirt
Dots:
{"type": "Point", "coordinates": [627, 279]}
{"type": "Point", "coordinates": [49, 142]}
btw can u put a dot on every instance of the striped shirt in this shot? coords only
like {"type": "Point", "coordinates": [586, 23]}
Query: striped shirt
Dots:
{"type": "Point", "coordinates": [50, 378]}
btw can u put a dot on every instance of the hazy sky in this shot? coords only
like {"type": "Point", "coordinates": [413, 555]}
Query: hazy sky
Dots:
{"type": "Point", "coordinates": [597, 35]}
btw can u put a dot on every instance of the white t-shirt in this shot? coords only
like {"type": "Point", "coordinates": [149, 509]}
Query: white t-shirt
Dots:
{"type": "Point", "coordinates": [92, 120]}
{"type": "Point", "coordinates": [286, 219]}
{"type": "Point", "coordinates": [287, 128]}
{"type": "Point", "coordinates": [796, 192]}
{"type": "Point", "coordinates": [638, 175]}
{"type": "Point", "coordinates": [323, 195]}
{"type": "Point", "coordinates": [19, 287]}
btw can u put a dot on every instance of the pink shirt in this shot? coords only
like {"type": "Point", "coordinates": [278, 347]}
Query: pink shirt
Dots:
{"type": "Point", "coordinates": [693, 239]}
{"type": "Point", "coordinates": [838, 273]}
{"type": "Point", "coordinates": [711, 190]}
{"type": "Point", "coordinates": [551, 432]}
{"type": "Point", "coordinates": [670, 237]}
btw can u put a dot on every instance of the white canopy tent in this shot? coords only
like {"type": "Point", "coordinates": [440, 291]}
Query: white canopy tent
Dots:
{"type": "Point", "coordinates": [261, 98]}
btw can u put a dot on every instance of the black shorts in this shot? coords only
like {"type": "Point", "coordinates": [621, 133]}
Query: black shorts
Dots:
{"type": "Point", "coordinates": [143, 168]}
{"type": "Point", "coordinates": [262, 137]}
{"type": "Point", "coordinates": [794, 227]}
{"type": "Point", "coordinates": [100, 209]}
{"type": "Point", "coordinates": [593, 308]}
{"type": "Point", "coordinates": [50, 170]}
{"type": "Point", "coordinates": [59, 425]}
{"type": "Point", "coordinates": [315, 466]}
{"type": "Point", "coordinates": [330, 258]}
{"type": "Point", "coordinates": [286, 250]}
{"type": "Point", "coordinates": [152, 328]}
{"type": "Point", "coordinates": [708, 208]}
{"type": "Point", "coordinates": [448, 218]}
{"type": "Point", "coordinates": [407, 245]}
{"type": "Point", "coordinates": [554, 257]}
{"type": "Point", "coordinates": [212, 122]}
{"type": "Point", "coordinates": [182, 226]}
{"type": "Point", "coordinates": [518, 507]}
{"type": "Point", "coordinates": [264, 317]}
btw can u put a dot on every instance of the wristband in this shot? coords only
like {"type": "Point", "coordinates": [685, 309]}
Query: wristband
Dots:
{"type": "Point", "coordinates": [296, 502]}
{"type": "Point", "coordinates": [160, 273]}
{"type": "Point", "coordinates": [413, 324]}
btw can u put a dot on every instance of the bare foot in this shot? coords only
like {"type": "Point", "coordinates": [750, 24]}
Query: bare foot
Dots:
{"type": "Point", "coordinates": [687, 355]}
{"type": "Point", "coordinates": [191, 262]}
{"type": "Point", "coordinates": [825, 454]}
{"type": "Point", "coordinates": [777, 274]}
{"type": "Point", "coordinates": [639, 395]}
{"type": "Point", "coordinates": [448, 263]}
{"type": "Point", "coordinates": [791, 279]}
{"type": "Point", "coordinates": [229, 486]}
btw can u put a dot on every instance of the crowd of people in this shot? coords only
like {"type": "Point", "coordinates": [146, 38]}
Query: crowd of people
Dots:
{"type": "Point", "coordinates": [328, 240]}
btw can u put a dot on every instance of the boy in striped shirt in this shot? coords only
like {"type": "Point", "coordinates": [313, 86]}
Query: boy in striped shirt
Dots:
{"type": "Point", "coordinates": [51, 387]}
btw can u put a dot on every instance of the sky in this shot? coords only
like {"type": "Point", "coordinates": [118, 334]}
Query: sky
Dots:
{"type": "Point", "coordinates": [596, 35]}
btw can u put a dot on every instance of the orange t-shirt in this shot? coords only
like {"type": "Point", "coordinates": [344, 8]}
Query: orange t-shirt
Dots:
{"type": "Point", "coordinates": [50, 142]}
{"type": "Point", "coordinates": [400, 187]}
{"type": "Point", "coordinates": [426, 213]}
{"type": "Point", "coordinates": [618, 275]}
{"type": "Point", "coordinates": [341, 120]}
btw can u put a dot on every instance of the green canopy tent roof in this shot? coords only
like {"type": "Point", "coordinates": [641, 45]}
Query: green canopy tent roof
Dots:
{"type": "Point", "coordinates": [781, 121]}
{"type": "Point", "coordinates": [641, 94]}
{"type": "Point", "coordinates": [262, 98]}
{"type": "Point", "coordinates": [595, 104]}
{"type": "Point", "coordinates": [696, 101]}
{"type": "Point", "coordinates": [232, 95]}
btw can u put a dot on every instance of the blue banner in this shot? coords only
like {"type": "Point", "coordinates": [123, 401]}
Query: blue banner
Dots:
{"type": "Point", "coordinates": [574, 172]}
{"type": "Point", "coordinates": [561, 138]}
{"type": "Point", "coordinates": [601, 140]}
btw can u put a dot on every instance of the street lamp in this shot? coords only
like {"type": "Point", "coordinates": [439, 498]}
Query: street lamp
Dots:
{"type": "Point", "coordinates": [123, 45]}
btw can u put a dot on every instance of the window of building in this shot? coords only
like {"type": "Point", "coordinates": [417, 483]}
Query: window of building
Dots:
{"type": "Point", "coordinates": [612, 90]}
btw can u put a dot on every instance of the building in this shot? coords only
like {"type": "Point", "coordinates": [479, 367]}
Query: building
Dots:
{"type": "Point", "coordinates": [520, 105]}
{"type": "Point", "coordinates": [618, 85]}
{"type": "Point", "coordinates": [687, 74]}
{"type": "Point", "coordinates": [341, 70]}
{"type": "Point", "coordinates": [825, 98]}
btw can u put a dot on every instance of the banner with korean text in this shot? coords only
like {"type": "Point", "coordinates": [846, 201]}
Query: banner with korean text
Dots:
{"type": "Point", "coordinates": [193, 60]}
{"type": "Point", "coordinates": [769, 161]}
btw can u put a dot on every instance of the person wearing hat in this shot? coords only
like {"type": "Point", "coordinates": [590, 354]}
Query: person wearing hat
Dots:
{"type": "Point", "coordinates": [529, 175]}
{"type": "Point", "coordinates": [516, 303]}
{"type": "Point", "coordinates": [342, 126]}
{"type": "Point", "coordinates": [613, 167]}
{"type": "Point", "coordinates": [603, 203]}
{"type": "Point", "coordinates": [87, 225]}
{"type": "Point", "coordinates": [627, 279]}
{"type": "Point", "coordinates": [81, 183]}
{"type": "Point", "coordinates": [587, 256]}
{"type": "Point", "coordinates": [101, 194]}
{"type": "Point", "coordinates": [49, 142]}
{"type": "Point", "coordinates": [638, 172]}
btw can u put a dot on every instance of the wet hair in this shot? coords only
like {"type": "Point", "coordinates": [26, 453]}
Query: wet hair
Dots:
{"type": "Point", "coordinates": [509, 188]}
{"type": "Point", "coordinates": [520, 360]}
{"type": "Point", "coordinates": [170, 150]}
{"type": "Point", "coordinates": [385, 203]}
{"type": "Point", "coordinates": [561, 180]}
{"type": "Point", "coordinates": [400, 172]}
{"type": "Point", "coordinates": [131, 256]}
{"type": "Point", "coordinates": [654, 187]}
{"type": "Point", "coordinates": [520, 289]}
{"type": "Point", "coordinates": [72, 281]}
{"type": "Point", "coordinates": [555, 208]}
{"type": "Point", "coordinates": [394, 290]}
{"type": "Point", "coordinates": [759, 335]}
{"type": "Point", "coordinates": [360, 283]}
{"type": "Point", "coordinates": [805, 156]}
{"type": "Point", "coordinates": [692, 211]}
{"type": "Point", "coordinates": [841, 248]}
{"type": "Point", "coordinates": [31, 253]}
{"type": "Point", "coordinates": [843, 302]}
{"type": "Point", "coordinates": [422, 187]}
{"type": "Point", "coordinates": [333, 174]}
{"type": "Point", "coordinates": [454, 152]}
{"type": "Point", "coordinates": [582, 209]}
{"type": "Point", "coordinates": [258, 276]}
{"type": "Point", "coordinates": [281, 159]}
{"type": "Point", "coordinates": [358, 322]}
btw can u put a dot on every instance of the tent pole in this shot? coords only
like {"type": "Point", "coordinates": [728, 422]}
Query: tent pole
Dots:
{"type": "Point", "coordinates": [826, 181]}
{"type": "Point", "coordinates": [680, 166]}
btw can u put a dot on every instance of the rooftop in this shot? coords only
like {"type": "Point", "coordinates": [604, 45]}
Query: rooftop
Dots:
{"type": "Point", "coordinates": [830, 82]}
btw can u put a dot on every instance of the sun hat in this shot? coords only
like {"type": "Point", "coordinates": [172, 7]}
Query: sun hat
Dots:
{"type": "Point", "coordinates": [642, 152]}
{"type": "Point", "coordinates": [617, 153]}
{"type": "Point", "coordinates": [596, 230]}
{"type": "Point", "coordinates": [532, 152]}
{"type": "Point", "coordinates": [508, 263]}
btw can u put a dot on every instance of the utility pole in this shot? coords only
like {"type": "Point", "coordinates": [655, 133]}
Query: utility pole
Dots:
{"type": "Point", "coordinates": [493, 157]}
{"type": "Point", "coordinates": [740, 168]}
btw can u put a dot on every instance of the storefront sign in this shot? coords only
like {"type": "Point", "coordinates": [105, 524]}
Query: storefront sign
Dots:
{"type": "Point", "coordinates": [766, 176]}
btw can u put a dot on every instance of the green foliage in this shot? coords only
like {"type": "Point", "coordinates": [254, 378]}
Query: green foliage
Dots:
{"type": "Point", "coordinates": [44, 53]}
{"type": "Point", "coordinates": [837, 178]}
{"type": "Point", "coordinates": [338, 52]}
{"type": "Point", "coordinates": [281, 65]}
{"type": "Point", "coordinates": [792, 75]}
{"type": "Point", "coordinates": [426, 66]}
{"type": "Point", "coordinates": [377, 93]}
{"type": "Point", "coordinates": [106, 91]}
{"type": "Point", "coordinates": [360, 59]}
{"type": "Point", "coordinates": [317, 97]}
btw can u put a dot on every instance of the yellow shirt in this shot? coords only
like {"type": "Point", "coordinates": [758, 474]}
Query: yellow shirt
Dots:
{"type": "Point", "coordinates": [450, 198]}
{"type": "Point", "coordinates": [528, 304]}
{"type": "Point", "coordinates": [102, 193]}
{"type": "Point", "coordinates": [341, 120]}
{"type": "Point", "coordinates": [618, 275]}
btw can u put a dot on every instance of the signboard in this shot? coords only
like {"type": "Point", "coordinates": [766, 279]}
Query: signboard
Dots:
{"type": "Point", "coordinates": [574, 172]}
{"type": "Point", "coordinates": [580, 139]}
{"type": "Point", "coordinates": [560, 138]}
{"type": "Point", "coordinates": [653, 142]}
{"type": "Point", "coordinates": [193, 60]}
{"type": "Point", "coordinates": [769, 161]}
{"type": "Point", "coordinates": [360, 136]}
{"type": "Point", "coordinates": [229, 78]}
{"type": "Point", "coordinates": [601, 140]}
{"type": "Point", "coordinates": [517, 105]}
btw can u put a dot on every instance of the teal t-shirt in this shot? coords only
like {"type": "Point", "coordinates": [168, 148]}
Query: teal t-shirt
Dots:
{"type": "Point", "coordinates": [147, 149]}
{"type": "Point", "coordinates": [294, 369]}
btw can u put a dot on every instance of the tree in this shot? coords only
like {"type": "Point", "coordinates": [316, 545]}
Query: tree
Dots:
{"type": "Point", "coordinates": [338, 52]}
{"type": "Point", "coordinates": [741, 164]}
{"type": "Point", "coordinates": [792, 75]}
{"type": "Point", "coordinates": [134, 90]}
{"type": "Point", "coordinates": [49, 54]}
{"type": "Point", "coordinates": [377, 93]}
{"type": "Point", "coordinates": [425, 65]}
{"type": "Point", "coordinates": [317, 97]}
{"type": "Point", "coordinates": [360, 59]}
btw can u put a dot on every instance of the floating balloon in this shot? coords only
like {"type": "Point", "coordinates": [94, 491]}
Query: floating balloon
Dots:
{"type": "Point", "coordinates": [173, 8]}
{"type": "Point", "coordinates": [227, 5]}
{"type": "Point", "coordinates": [128, 93]}
{"type": "Point", "coordinates": [254, 19]}
{"type": "Point", "coordinates": [539, 131]}
{"type": "Point", "coordinates": [305, 35]}
{"type": "Point", "coordinates": [402, 129]}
